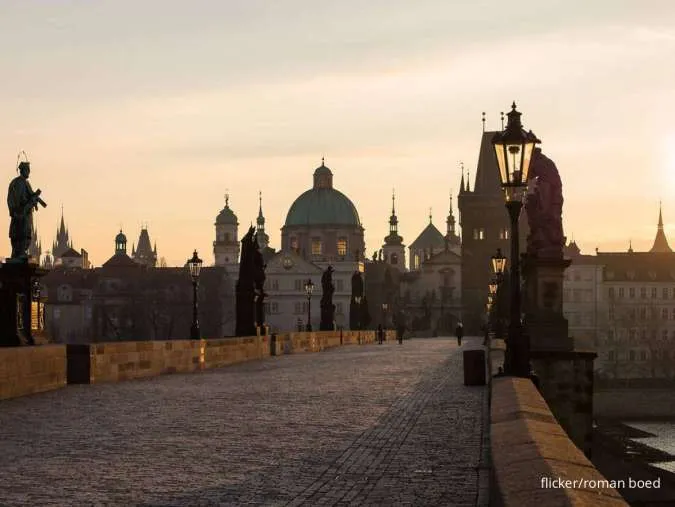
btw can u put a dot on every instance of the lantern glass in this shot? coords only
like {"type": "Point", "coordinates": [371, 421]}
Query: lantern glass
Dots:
{"type": "Point", "coordinates": [194, 265]}
{"type": "Point", "coordinates": [492, 288]}
{"type": "Point", "coordinates": [309, 287]}
{"type": "Point", "coordinates": [498, 262]}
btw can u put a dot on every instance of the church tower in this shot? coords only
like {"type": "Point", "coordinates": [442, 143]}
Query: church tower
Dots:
{"type": "Point", "coordinates": [660, 242]}
{"type": "Point", "coordinates": [144, 253]}
{"type": "Point", "coordinates": [63, 242]}
{"type": "Point", "coordinates": [263, 237]}
{"type": "Point", "coordinates": [35, 247]}
{"type": "Point", "coordinates": [485, 227]}
{"type": "Point", "coordinates": [226, 246]}
{"type": "Point", "coordinates": [120, 244]}
{"type": "Point", "coordinates": [393, 248]}
{"type": "Point", "coordinates": [452, 240]}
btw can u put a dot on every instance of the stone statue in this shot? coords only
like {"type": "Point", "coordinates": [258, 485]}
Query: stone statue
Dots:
{"type": "Point", "coordinates": [544, 208]}
{"type": "Point", "coordinates": [327, 306]}
{"type": "Point", "coordinates": [21, 201]}
{"type": "Point", "coordinates": [356, 301]}
{"type": "Point", "coordinates": [246, 289]}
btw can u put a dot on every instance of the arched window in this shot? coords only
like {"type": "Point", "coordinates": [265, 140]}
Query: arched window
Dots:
{"type": "Point", "coordinates": [394, 259]}
{"type": "Point", "coordinates": [341, 247]}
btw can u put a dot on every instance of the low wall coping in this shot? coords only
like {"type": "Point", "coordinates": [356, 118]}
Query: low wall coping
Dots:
{"type": "Point", "coordinates": [530, 451]}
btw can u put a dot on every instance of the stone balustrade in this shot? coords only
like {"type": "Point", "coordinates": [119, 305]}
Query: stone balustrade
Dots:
{"type": "Point", "coordinates": [533, 456]}
{"type": "Point", "coordinates": [28, 370]}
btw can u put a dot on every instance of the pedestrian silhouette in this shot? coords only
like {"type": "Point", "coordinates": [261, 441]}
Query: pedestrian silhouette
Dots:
{"type": "Point", "coordinates": [459, 331]}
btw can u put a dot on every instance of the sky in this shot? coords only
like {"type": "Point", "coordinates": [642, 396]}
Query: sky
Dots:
{"type": "Point", "coordinates": [149, 111]}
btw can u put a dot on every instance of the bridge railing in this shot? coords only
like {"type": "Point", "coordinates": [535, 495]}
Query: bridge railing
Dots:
{"type": "Point", "coordinates": [534, 461]}
{"type": "Point", "coordinates": [26, 370]}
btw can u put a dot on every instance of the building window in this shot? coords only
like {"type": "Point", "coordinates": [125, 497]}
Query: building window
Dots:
{"type": "Point", "coordinates": [611, 292]}
{"type": "Point", "coordinates": [338, 308]}
{"type": "Point", "coordinates": [275, 284]}
{"type": "Point", "coordinates": [479, 233]}
{"type": "Point", "coordinates": [227, 237]}
{"type": "Point", "coordinates": [621, 292]}
{"type": "Point", "coordinates": [643, 355]}
{"type": "Point", "coordinates": [294, 243]}
{"type": "Point", "coordinates": [275, 307]}
{"type": "Point", "coordinates": [394, 259]}
{"type": "Point", "coordinates": [610, 336]}
{"type": "Point", "coordinates": [664, 334]}
{"type": "Point", "coordinates": [631, 292]}
{"type": "Point", "coordinates": [631, 355]}
{"type": "Point", "coordinates": [672, 314]}
{"type": "Point", "coordinates": [339, 285]}
{"type": "Point", "coordinates": [643, 313]}
{"type": "Point", "coordinates": [643, 292]}
{"type": "Point", "coordinates": [654, 292]}
{"type": "Point", "coordinates": [316, 246]}
{"type": "Point", "coordinates": [503, 234]}
{"type": "Point", "coordinates": [416, 261]}
{"type": "Point", "coordinates": [298, 285]}
{"type": "Point", "coordinates": [664, 314]}
{"type": "Point", "coordinates": [341, 247]}
{"type": "Point", "coordinates": [665, 293]}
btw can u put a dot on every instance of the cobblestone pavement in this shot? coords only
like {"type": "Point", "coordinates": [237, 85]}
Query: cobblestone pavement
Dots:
{"type": "Point", "coordinates": [357, 425]}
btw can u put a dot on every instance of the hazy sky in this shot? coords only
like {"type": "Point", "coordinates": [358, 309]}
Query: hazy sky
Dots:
{"type": "Point", "coordinates": [147, 111]}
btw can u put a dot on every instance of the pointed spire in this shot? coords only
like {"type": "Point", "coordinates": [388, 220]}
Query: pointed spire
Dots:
{"type": "Point", "coordinates": [630, 246]}
{"type": "Point", "coordinates": [429, 214]}
{"type": "Point", "coordinates": [502, 115]}
{"type": "Point", "coordinates": [461, 184]}
{"type": "Point", "coordinates": [660, 241]}
{"type": "Point", "coordinates": [323, 164]}
{"type": "Point", "coordinates": [393, 202]}
{"type": "Point", "coordinates": [227, 198]}
{"type": "Point", "coordinates": [483, 120]}
{"type": "Point", "coordinates": [468, 180]}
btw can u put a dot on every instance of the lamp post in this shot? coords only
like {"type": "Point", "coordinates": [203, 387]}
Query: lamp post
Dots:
{"type": "Point", "coordinates": [195, 266]}
{"type": "Point", "coordinates": [513, 148]}
{"type": "Point", "coordinates": [309, 288]}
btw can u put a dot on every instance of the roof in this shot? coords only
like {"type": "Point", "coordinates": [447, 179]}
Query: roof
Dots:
{"type": "Point", "coordinates": [487, 172]}
{"type": "Point", "coordinates": [226, 215]}
{"type": "Point", "coordinates": [120, 260]}
{"type": "Point", "coordinates": [71, 252]}
{"type": "Point", "coordinates": [430, 237]}
{"type": "Point", "coordinates": [660, 241]}
{"type": "Point", "coordinates": [322, 206]}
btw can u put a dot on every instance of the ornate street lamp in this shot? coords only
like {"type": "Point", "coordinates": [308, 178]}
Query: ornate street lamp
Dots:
{"type": "Point", "coordinates": [498, 264]}
{"type": "Point", "coordinates": [195, 266]}
{"type": "Point", "coordinates": [513, 148]}
{"type": "Point", "coordinates": [492, 287]}
{"type": "Point", "coordinates": [309, 288]}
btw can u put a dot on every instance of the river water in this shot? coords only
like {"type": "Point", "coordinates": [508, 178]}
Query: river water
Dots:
{"type": "Point", "coordinates": [663, 439]}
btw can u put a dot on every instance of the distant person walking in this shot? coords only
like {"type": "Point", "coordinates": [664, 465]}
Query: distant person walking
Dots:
{"type": "Point", "coordinates": [380, 334]}
{"type": "Point", "coordinates": [459, 331]}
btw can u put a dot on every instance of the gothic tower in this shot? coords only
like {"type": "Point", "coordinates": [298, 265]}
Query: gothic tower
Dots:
{"type": "Point", "coordinates": [393, 248]}
{"type": "Point", "coordinates": [62, 242]}
{"type": "Point", "coordinates": [485, 227]}
{"type": "Point", "coordinates": [226, 246]}
{"type": "Point", "coordinates": [35, 247]}
{"type": "Point", "coordinates": [144, 253]}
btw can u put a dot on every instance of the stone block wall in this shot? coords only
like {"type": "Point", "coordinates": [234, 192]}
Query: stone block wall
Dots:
{"type": "Point", "coordinates": [28, 370]}
{"type": "Point", "coordinates": [530, 450]}
{"type": "Point", "coordinates": [566, 383]}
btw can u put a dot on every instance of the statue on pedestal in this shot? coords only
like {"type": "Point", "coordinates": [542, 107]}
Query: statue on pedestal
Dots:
{"type": "Point", "coordinates": [246, 289]}
{"type": "Point", "coordinates": [327, 306]}
{"type": "Point", "coordinates": [259, 282]}
{"type": "Point", "coordinates": [21, 201]}
{"type": "Point", "coordinates": [544, 209]}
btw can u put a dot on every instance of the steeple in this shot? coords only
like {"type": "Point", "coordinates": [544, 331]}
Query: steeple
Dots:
{"type": "Point", "coordinates": [468, 181]}
{"type": "Point", "coordinates": [262, 237]}
{"type": "Point", "coordinates": [62, 241]}
{"type": "Point", "coordinates": [393, 238]}
{"type": "Point", "coordinates": [451, 236]}
{"type": "Point", "coordinates": [660, 241]}
{"type": "Point", "coordinates": [461, 184]}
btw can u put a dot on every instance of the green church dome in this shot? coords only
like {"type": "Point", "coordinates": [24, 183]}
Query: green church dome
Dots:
{"type": "Point", "coordinates": [322, 205]}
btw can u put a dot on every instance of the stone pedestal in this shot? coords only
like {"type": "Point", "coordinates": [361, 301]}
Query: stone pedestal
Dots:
{"type": "Point", "coordinates": [545, 324]}
{"type": "Point", "coordinates": [21, 311]}
{"type": "Point", "coordinates": [566, 383]}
